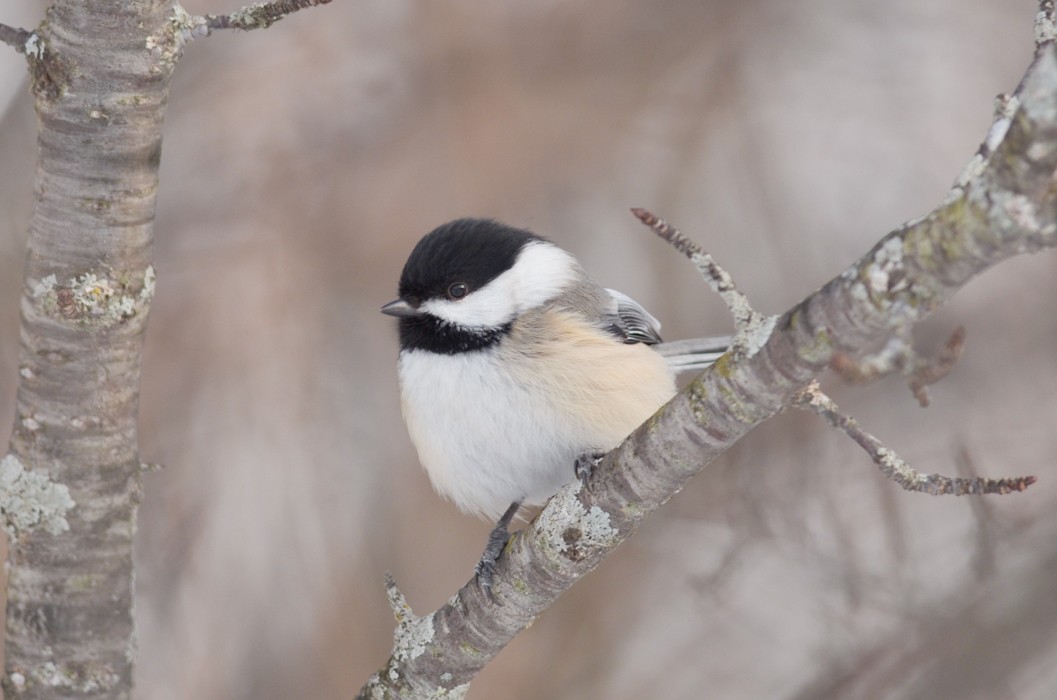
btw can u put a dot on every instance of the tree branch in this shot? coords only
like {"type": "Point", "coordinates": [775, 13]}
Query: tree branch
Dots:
{"type": "Point", "coordinates": [1004, 205]}
{"type": "Point", "coordinates": [260, 15]}
{"type": "Point", "coordinates": [73, 461]}
{"type": "Point", "coordinates": [892, 465]}
{"type": "Point", "coordinates": [15, 37]}
{"type": "Point", "coordinates": [182, 27]}
{"type": "Point", "coordinates": [70, 484]}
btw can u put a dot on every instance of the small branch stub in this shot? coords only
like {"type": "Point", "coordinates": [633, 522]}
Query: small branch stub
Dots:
{"type": "Point", "coordinates": [18, 39]}
{"type": "Point", "coordinates": [49, 71]}
{"type": "Point", "coordinates": [412, 633]}
{"type": "Point", "coordinates": [411, 639]}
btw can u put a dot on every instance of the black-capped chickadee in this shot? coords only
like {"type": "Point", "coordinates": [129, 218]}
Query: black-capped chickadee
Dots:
{"type": "Point", "coordinates": [517, 370]}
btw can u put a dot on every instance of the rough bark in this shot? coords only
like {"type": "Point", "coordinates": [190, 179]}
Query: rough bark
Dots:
{"type": "Point", "coordinates": [100, 99]}
{"type": "Point", "coordinates": [1003, 205]}
{"type": "Point", "coordinates": [70, 483]}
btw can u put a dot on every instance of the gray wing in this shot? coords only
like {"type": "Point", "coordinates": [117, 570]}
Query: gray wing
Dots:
{"type": "Point", "coordinates": [629, 321]}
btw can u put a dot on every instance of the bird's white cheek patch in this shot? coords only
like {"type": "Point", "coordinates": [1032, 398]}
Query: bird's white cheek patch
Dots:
{"type": "Point", "coordinates": [541, 272]}
{"type": "Point", "coordinates": [488, 307]}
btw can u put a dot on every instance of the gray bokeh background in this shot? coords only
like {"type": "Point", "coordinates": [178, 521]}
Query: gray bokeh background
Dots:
{"type": "Point", "coordinates": [300, 166]}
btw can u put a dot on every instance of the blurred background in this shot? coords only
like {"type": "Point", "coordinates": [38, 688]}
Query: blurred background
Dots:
{"type": "Point", "coordinates": [301, 165]}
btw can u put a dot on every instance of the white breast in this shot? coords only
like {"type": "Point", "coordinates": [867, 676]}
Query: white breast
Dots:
{"type": "Point", "coordinates": [499, 425]}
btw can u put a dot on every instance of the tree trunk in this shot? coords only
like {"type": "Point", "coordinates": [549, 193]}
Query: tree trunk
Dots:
{"type": "Point", "coordinates": [101, 76]}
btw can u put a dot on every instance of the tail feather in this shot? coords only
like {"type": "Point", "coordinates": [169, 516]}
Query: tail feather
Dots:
{"type": "Point", "coordinates": [694, 353]}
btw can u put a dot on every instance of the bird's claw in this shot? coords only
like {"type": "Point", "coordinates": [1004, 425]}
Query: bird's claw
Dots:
{"type": "Point", "coordinates": [585, 464]}
{"type": "Point", "coordinates": [485, 569]}
{"type": "Point", "coordinates": [497, 539]}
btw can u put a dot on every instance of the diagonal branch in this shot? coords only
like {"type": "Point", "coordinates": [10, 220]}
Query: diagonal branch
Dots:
{"type": "Point", "coordinates": [1006, 205]}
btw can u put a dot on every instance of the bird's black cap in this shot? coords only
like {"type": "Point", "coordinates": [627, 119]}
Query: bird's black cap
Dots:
{"type": "Point", "coordinates": [472, 251]}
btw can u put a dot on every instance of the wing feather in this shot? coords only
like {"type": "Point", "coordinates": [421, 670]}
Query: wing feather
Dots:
{"type": "Point", "coordinates": [630, 321]}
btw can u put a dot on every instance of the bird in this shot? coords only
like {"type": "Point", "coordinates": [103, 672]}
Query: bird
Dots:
{"type": "Point", "coordinates": [517, 371]}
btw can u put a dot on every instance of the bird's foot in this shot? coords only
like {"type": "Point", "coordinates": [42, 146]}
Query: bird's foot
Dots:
{"type": "Point", "coordinates": [497, 539]}
{"type": "Point", "coordinates": [585, 464]}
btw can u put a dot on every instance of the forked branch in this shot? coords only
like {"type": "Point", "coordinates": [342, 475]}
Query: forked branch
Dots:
{"type": "Point", "coordinates": [1004, 205]}
{"type": "Point", "coordinates": [897, 355]}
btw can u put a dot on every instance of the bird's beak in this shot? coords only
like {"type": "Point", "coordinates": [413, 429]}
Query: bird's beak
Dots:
{"type": "Point", "coordinates": [400, 309]}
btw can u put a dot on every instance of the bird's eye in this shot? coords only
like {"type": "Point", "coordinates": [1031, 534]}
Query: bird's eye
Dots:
{"type": "Point", "coordinates": [458, 290]}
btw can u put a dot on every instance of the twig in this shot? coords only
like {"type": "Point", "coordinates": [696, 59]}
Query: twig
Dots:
{"type": "Point", "coordinates": [751, 328]}
{"type": "Point", "coordinates": [984, 521]}
{"type": "Point", "coordinates": [15, 37]}
{"type": "Point", "coordinates": [259, 15]}
{"type": "Point", "coordinates": [892, 465]}
{"type": "Point", "coordinates": [182, 27]}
